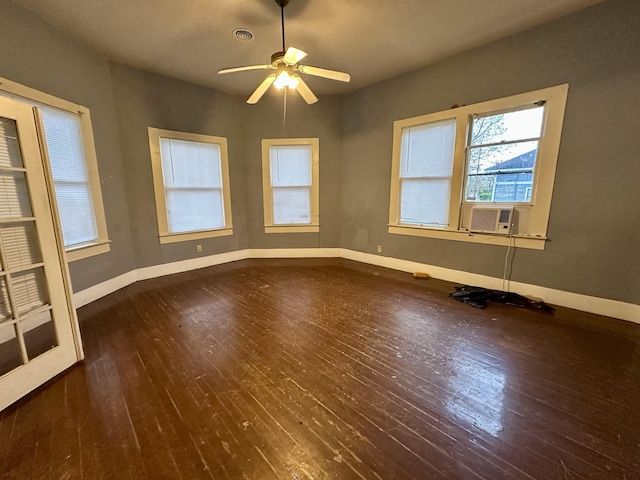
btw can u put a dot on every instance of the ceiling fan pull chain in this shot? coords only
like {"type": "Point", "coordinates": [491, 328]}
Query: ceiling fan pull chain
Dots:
{"type": "Point", "coordinates": [284, 113]}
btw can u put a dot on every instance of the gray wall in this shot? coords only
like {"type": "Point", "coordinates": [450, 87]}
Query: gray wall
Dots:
{"type": "Point", "coordinates": [148, 100]}
{"type": "Point", "coordinates": [594, 224]}
{"type": "Point", "coordinates": [322, 120]}
{"type": "Point", "coordinates": [36, 55]}
{"type": "Point", "coordinates": [145, 99]}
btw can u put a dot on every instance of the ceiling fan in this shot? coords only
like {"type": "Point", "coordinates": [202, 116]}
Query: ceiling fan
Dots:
{"type": "Point", "coordinates": [287, 70]}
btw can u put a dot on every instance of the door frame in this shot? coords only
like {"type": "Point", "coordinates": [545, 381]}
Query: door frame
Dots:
{"type": "Point", "coordinates": [57, 230]}
{"type": "Point", "coordinates": [37, 371]}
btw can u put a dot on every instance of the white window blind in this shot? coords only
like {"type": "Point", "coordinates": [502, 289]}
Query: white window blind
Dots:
{"type": "Point", "coordinates": [291, 181]}
{"type": "Point", "coordinates": [63, 133]}
{"type": "Point", "coordinates": [426, 164]}
{"type": "Point", "coordinates": [192, 177]}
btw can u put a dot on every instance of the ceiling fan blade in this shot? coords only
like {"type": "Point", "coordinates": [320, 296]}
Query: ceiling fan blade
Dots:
{"type": "Point", "coordinates": [324, 73]}
{"type": "Point", "coordinates": [304, 90]}
{"type": "Point", "coordinates": [244, 69]}
{"type": "Point", "coordinates": [262, 88]}
{"type": "Point", "coordinates": [293, 56]}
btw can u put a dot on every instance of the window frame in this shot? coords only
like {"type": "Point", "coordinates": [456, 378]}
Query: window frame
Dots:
{"type": "Point", "coordinates": [269, 226]}
{"type": "Point", "coordinates": [33, 97]}
{"type": "Point", "coordinates": [164, 235]}
{"type": "Point", "coordinates": [533, 215]}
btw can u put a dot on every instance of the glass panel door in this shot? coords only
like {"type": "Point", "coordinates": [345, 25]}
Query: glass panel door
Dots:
{"type": "Point", "coordinates": [37, 335]}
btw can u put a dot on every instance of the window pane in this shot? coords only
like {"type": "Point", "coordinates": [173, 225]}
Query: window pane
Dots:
{"type": "Point", "coordinates": [5, 307]}
{"type": "Point", "coordinates": [290, 165]}
{"type": "Point", "coordinates": [425, 201]}
{"type": "Point", "coordinates": [187, 164]}
{"type": "Point", "coordinates": [192, 177]}
{"type": "Point", "coordinates": [39, 334]}
{"type": "Point", "coordinates": [10, 155]}
{"type": "Point", "coordinates": [20, 244]}
{"type": "Point", "coordinates": [192, 210]}
{"type": "Point", "coordinates": [500, 174]}
{"type": "Point", "coordinates": [29, 290]}
{"type": "Point", "coordinates": [291, 205]}
{"type": "Point", "coordinates": [14, 195]}
{"type": "Point", "coordinates": [506, 127]}
{"type": "Point", "coordinates": [513, 187]}
{"type": "Point", "coordinates": [427, 150]}
{"type": "Point", "coordinates": [76, 213]}
{"type": "Point", "coordinates": [10, 356]}
{"type": "Point", "coordinates": [63, 132]}
{"type": "Point", "coordinates": [426, 154]}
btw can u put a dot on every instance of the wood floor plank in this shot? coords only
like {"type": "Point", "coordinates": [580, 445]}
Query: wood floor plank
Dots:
{"type": "Point", "coordinates": [326, 368]}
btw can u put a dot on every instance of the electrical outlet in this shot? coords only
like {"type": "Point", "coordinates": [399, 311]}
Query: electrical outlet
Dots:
{"type": "Point", "coordinates": [379, 248]}
{"type": "Point", "coordinates": [199, 248]}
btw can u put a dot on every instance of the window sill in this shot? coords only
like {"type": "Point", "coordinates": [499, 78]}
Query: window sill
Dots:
{"type": "Point", "coordinates": [185, 237]}
{"type": "Point", "coordinates": [291, 228]}
{"type": "Point", "coordinates": [518, 241]}
{"type": "Point", "coordinates": [86, 251]}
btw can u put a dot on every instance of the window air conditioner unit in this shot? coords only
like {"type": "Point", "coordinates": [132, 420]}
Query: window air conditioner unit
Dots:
{"type": "Point", "coordinates": [491, 220]}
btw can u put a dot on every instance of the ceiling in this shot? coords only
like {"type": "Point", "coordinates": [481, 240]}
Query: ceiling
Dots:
{"type": "Point", "coordinates": [371, 39]}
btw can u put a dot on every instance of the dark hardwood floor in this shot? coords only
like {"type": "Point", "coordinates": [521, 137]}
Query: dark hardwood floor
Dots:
{"type": "Point", "coordinates": [314, 369]}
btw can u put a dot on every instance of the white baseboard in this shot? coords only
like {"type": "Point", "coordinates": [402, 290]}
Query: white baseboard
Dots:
{"type": "Point", "coordinates": [192, 264]}
{"type": "Point", "coordinates": [295, 253]}
{"type": "Point", "coordinates": [103, 289]}
{"type": "Point", "coordinates": [585, 303]}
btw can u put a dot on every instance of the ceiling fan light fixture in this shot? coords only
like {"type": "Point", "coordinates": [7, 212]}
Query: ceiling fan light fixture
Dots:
{"type": "Point", "coordinates": [293, 83]}
{"type": "Point", "coordinates": [285, 80]}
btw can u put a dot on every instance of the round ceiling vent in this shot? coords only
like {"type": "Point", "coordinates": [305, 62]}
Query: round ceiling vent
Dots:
{"type": "Point", "coordinates": [243, 34]}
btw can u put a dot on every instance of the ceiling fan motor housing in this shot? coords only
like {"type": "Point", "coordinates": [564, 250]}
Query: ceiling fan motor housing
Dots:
{"type": "Point", "coordinates": [277, 57]}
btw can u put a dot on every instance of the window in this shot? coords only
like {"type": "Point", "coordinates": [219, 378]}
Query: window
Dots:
{"type": "Point", "coordinates": [501, 156]}
{"type": "Point", "coordinates": [68, 136]}
{"type": "Point", "coordinates": [290, 170]}
{"type": "Point", "coordinates": [502, 152]}
{"type": "Point", "coordinates": [191, 182]}
{"type": "Point", "coordinates": [63, 134]}
{"type": "Point", "coordinates": [426, 162]}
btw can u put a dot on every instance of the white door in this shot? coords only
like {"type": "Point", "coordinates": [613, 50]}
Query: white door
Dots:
{"type": "Point", "coordinates": [38, 328]}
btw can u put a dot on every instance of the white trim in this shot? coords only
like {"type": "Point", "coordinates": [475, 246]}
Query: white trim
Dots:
{"type": "Point", "coordinates": [191, 264]}
{"type": "Point", "coordinates": [519, 241]}
{"type": "Point", "coordinates": [292, 229]}
{"type": "Point", "coordinates": [183, 237]}
{"type": "Point", "coordinates": [585, 303]}
{"type": "Point", "coordinates": [78, 253]}
{"type": "Point", "coordinates": [295, 253]}
{"type": "Point", "coordinates": [91, 294]}
{"type": "Point", "coordinates": [29, 93]}
{"type": "Point", "coordinates": [88, 295]}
